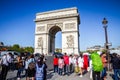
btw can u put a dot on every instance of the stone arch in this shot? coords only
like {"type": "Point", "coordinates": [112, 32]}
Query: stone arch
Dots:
{"type": "Point", "coordinates": [49, 23]}
{"type": "Point", "coordinates": [54, 29]}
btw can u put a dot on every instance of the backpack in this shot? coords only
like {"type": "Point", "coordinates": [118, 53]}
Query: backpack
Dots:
{"type": "Point", "coordinates": [40, 72]}
{"type": "Point", "coordinates": [31, 65]}
{"type": "Point", "coordinates": [96, 62]}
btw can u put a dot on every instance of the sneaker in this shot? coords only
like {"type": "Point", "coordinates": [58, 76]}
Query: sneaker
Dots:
{"type": "Point", "coordinates": [80, 76]}
{"type": "Point", "coordinates": [18, 78]}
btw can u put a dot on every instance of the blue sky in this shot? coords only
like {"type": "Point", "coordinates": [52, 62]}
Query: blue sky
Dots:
{"type": "Point", "coordinates": [17, 24]}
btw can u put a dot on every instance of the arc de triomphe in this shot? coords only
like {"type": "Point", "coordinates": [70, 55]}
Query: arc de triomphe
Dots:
{"type": "Point", "coordinates": [49, 23]}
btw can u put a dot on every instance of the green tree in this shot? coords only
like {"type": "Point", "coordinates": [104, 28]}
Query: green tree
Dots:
{"type": "Point", "coordinates": [29, 49]}
{"type": "Point", "coordinates": [16, 47]}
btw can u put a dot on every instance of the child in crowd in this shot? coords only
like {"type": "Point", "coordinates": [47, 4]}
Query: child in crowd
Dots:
{"type": "Point", "coordinates": [60, 65]}
{"type": "Point", "coordinates": [80, 64]}
{"type": "Point", "coordinates": [40, 70]}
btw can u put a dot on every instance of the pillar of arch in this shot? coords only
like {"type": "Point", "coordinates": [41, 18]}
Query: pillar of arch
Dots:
{"type": "Point", "coordinates": [49, 23]}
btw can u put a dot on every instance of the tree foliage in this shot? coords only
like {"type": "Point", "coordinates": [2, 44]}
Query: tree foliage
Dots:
{"type": "Point", "coordinates": [29, 49]}
{"type": "Point", "coordinates": [16, 47]}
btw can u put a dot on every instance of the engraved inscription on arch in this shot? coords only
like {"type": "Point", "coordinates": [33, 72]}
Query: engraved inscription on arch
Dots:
{"type": "Point", "coordinates": [70, 26]}
{"type": "Point", "coordinates": [70, 41]}
{"type": "Point", "coordinates": [40, 28]}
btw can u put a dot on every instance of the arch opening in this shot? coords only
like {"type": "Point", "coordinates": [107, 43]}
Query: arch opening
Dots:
{"type": "Point", "coordinates": [52, 37]}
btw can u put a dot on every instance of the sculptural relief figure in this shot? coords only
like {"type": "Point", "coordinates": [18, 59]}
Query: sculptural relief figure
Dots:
{"type": "Point", "coordinates": [40, 28]}
{"type": "Point", "coordinates": [55, 24]}
{"type": "Point", "coordinates": [40, 42]}
{"type": "Point", "coordinates": [70, 26]}
{"type": "Point", "coordinates": [49, 26]}
{"type": "Point", "coordinates": [70, 41]}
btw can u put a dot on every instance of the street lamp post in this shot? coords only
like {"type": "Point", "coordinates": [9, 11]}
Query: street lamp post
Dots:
{"type": "Point", "coordinates": [104, 22]}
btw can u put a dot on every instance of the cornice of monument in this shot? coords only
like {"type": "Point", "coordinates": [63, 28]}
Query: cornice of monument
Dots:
{"type": "Point", "coordinates": [56, 20]}
{"type": "Point", "coordinates": [55, 11]}
{"type": "Point", "coordinates": [71, 31]}
{"type": "Point", "coordinates": [57, 17]}
{"type": "Point", "coordinates": [41, 33]}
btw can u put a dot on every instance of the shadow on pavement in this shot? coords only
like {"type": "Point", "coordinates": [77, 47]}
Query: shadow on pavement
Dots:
{"type": "Point", "coordinates": [15, 78]}
{"type": "Point", "coordinates": [50, 75]}
{"type": "Point", "coordinates": [112, 75]}
{"type": "Point", "coordinates": [85, 72]}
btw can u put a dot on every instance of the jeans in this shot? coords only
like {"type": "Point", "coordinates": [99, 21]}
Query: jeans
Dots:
{"type": "Point", "coordinates": [96, 75]}
{"type": "Point", "coordinates": [4, 72]}
{"type": "Point", "coordinates": [103, 74]}
{"type": "Point", "coordinates": [12, 66]}
{"type": "Point", "coordinates": [66, 69]}
{"type": "Point", "coordinates": [60, 71]}
{"type": "Point", "coordinates": [26, 72]}
{"type": "Point", "coordinates": [71, 68]}
{"type": "Point", "coordinates": [19, 72]}
{"type": "Point", "coordinates": [116, 72]}
{"type": "Point", "coordinates": [55, 68]}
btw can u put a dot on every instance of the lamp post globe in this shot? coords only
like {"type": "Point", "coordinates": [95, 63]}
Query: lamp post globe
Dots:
{"type": "Point", "coordinates": [104, 22]}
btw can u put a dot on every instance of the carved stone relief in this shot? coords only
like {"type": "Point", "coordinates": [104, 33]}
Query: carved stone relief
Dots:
{"type": "Point", "coordinates": [70, 26]}
{"type": "Point", "coordinates": [55, 24]}
{"type": "Point", "coordinates": [49, 26]}
{"type": "Point", "coordinates": [59, 24]}
{"type": "Point", "coordinates": [40, 28]}
{"type": "Point", "coordinates": [40, 42]}
{"type": "Point", "coordinates": [70, 41]}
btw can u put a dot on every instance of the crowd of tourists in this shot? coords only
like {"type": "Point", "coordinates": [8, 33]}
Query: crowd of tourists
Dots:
{"type": "Point", "coordinates": [35, 65]}
{"type": "Point", "coordinates": [96, 63]}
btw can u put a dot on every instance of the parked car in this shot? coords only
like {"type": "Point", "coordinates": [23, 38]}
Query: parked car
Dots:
{"type": "Point", "coordinates": [6, 52]}
{"type": "Point", "coordinates": [58, 54]}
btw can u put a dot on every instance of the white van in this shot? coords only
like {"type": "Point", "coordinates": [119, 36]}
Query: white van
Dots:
{"type": "Point", "coordinates": [6, 52]}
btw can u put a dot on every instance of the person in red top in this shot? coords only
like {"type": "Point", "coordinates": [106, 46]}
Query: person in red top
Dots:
{"type": "Point", "coordinates": [55, 63]}
{"type": "Point", "coordinates": [85, 57]}
{"type": "Point", "coordinates": [66, 61]}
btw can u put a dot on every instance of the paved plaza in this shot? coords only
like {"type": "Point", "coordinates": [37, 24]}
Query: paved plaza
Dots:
{"type": "Point", "coordinates": [51, 76]}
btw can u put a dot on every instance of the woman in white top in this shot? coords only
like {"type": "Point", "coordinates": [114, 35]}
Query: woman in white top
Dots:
{"type": "Point", "coordinates": [4, 67]}
{"type": "Point", "coordinates": [71, 62]}
{"type": "Point", "coordinates": [80, 64]}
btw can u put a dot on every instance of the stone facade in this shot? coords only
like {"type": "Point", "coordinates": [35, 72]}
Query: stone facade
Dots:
{"type": "Point", "coordinates": [49, 23]}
